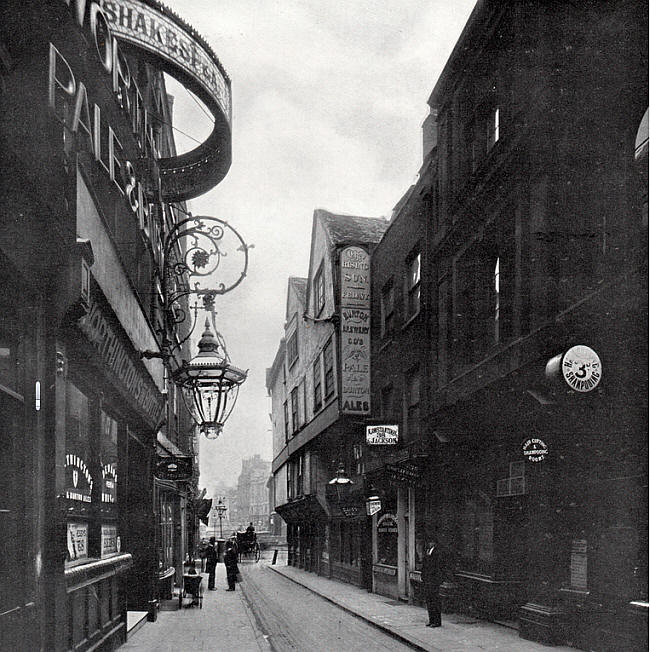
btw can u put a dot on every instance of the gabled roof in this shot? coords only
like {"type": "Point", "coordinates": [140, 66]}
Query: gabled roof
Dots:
{"type": "Point", "coordinates": [351, 229]}
{"type": "Point", "coordinates": [299, 284]}
{"type": "Point", "coordinates": [342, 229]}
{"type": "Point", "coordinates": [274, 369]}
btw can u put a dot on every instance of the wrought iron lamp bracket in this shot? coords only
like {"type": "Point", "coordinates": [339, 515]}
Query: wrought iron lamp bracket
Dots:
{"type": "Point", "coordinates": [195, 252]}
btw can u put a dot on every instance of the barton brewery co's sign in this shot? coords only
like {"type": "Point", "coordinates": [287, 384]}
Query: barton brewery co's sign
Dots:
{"type": "Point", "coordinates": [355, 330]}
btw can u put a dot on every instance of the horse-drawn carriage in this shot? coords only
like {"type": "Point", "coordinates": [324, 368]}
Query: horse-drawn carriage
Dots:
{"type": "Point", "coordinates": [247, 546]}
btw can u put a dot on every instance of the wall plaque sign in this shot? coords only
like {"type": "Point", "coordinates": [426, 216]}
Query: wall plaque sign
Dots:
{"type": "Point", "coordinates": [381, 435]}
{"type": "Point", "coordinates": [534, 449]}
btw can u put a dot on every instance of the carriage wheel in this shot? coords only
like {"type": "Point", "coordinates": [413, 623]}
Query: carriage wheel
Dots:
{"type": "Point", "coordinates": [256, 550]}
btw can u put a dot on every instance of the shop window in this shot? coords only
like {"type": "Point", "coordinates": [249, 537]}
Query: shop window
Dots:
{"type": "Point", "coordinates": [387, 309]}
{"type": "Point", "coordinates": [91, 478]}
{"type": "Point", "coordinates": [319, 290]}
{"type": "Point", "coordinates": [318, 394]}
{"type": "Point", "coordinates": [328, 364]}
{"type": "Point", "coordinates": [387, 529]}
{"type": "Point", "coordinates": [166, 511]}
{"type": "Point", "coordinates": [79, 483]}
{"type": "Point", "coordinates": [413, 285]}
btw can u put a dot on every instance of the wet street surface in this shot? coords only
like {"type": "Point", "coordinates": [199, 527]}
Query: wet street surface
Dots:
{"type": "Point", "coordinates": [293, 618]}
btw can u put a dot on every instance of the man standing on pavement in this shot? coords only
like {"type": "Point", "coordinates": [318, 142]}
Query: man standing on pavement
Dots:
{"type": "Point", "coordinates": [232, 570]}
{"type": "Point", "coordinates": [432, 579]}
{"type": "Point", "coordinates": [211, 563]}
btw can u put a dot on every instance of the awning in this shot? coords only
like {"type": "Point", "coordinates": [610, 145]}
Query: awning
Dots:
{"type": "Point", "coordinates": [300, 510]}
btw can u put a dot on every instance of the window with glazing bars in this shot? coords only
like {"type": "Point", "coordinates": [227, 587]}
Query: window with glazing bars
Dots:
{"type": "Point", "coordinates": [328, 364]}
{"type": "Point", "coordinates": [294, 409]}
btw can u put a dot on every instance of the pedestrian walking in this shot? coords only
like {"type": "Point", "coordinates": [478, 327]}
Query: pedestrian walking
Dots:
{"type": "Point", "coordinates": [232, 570]}
{"type": "Point", "coordinates": [211, 563]}
{"type": "Point", "coordinates": [432, 579]}
{"type": "Point", "coordinates": [203, 548]}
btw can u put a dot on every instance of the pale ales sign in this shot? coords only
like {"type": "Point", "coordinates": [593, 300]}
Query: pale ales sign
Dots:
{"type": "Point", "coordinates": [355, 330]}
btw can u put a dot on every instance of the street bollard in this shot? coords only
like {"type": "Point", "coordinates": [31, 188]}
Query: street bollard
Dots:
{"type": "Point", "coordinates": [275, 557]}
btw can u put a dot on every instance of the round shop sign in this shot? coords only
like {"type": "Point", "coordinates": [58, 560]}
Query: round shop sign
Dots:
{"type": "Point", "coordinates": [535, 450]}
{"type": "Point", "coordinates": [581, 368]}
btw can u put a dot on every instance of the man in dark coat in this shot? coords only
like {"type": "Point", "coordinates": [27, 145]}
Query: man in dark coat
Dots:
{"type": "Point", "coordinates": [230, 560]}
{"type": "Point", "coordinates": [432, 579]}
{"type": "Point", "coordinates": [211, 563]}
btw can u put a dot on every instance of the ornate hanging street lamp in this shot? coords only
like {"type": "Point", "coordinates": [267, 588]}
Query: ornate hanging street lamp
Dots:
{"type": "Point", "coordinates": [204, 257]}
{"type": "Point", "coordinates": [211, 383]}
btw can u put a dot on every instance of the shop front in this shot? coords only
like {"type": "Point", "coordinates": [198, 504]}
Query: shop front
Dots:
{"type": "Point", "coordinates": [172, 473]}
{"type": "Point", "coordinates": [110, 408]}
{"type": "Point", "coordinates": [348, 541]}
{"type": "Point", "coordinates": [403, 522]}
{"type": "Point", "coordinates": [307, 534]}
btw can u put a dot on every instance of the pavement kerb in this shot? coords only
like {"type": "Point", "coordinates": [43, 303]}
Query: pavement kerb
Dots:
{"type": "Point", "coordinates": [255, 622]}
{"type": "Point", "coordinates": [387, 630]}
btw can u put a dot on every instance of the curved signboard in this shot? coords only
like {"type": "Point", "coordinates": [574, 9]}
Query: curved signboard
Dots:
{"type": "Point", "coordinates": [178, 50]}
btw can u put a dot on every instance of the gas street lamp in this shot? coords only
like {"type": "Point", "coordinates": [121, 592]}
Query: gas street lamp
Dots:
{"type": "Point", "coordinates": [221, 510]}
{"type": "Point", "coordinates": [211, 382]}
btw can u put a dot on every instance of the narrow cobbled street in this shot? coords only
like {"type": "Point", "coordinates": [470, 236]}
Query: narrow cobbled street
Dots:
{"type": "Point", "coordinates": [294, 618]}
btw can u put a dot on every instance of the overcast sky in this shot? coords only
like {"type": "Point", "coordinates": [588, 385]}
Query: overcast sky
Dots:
{"type": "Point", "coordinates": [328, 102]}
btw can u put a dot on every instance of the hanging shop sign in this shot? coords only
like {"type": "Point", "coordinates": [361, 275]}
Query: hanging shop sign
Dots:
{"type": "Point", "coordinates": [174, 468]}
{"type": "Point", "coordinates": [355, 330]}
{"type": "Point", "coordinates": [581, 368]}
{"type": "Point", "coordinates": [166, 40]}
{"type": "Point", "coordinates": [404, 472]}
{"type": "Point", "coordinates": [382, 435]}
{"type": "Point", "coordinates": [534, 449]}
{"type": "Point", "coordinates": [373, 506]}
{"type": "Point", "coordinates": [77, 541]}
